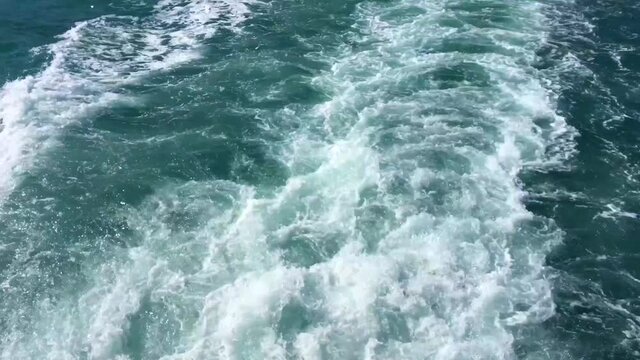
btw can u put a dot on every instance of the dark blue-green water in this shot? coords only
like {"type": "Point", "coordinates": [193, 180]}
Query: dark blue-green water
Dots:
{"type": "Point", "coordinates": [400, 179]}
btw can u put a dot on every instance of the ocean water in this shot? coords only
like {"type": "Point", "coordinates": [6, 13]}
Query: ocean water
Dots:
{"type": "Point", "coordinates": [253, 179]}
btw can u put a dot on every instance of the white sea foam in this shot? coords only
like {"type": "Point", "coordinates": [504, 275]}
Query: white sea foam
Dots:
{"type": "Point", "coordinates": [411, 235]}
{"type": "Point", "coordinates": [90, 63]}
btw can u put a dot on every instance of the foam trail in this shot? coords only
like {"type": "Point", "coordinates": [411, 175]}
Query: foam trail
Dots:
{"type": "Point", "coordinates": [414, 216]}
{"type": "Point", "coordinates": [90, 64]}
{"type": "Point", "coordinates": [400, 233]}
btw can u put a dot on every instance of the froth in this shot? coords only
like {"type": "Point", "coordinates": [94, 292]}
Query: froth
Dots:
{"type": "Point", "coordinates": [90, 64]}
{"type": "Point", "coordinates": [400, 233]}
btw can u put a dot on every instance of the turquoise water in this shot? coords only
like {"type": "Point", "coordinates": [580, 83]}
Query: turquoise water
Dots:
{"type": "Point", "coordinates": [411, 179]}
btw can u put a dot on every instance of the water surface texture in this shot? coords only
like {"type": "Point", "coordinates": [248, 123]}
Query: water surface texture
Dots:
{"type": "Point", "coordinates": [399, 179]}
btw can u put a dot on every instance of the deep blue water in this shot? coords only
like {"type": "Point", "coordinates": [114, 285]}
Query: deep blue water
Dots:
{"type": "Point", "coordinates": [411, 179]}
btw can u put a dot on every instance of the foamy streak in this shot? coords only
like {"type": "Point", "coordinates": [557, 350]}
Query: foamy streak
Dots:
{"type": "Point", "coordinates": [436, 279]}
{"type": "Point", "coordinates": [89, 65]}
{"type": "Point", "coordinates": [417, 243]}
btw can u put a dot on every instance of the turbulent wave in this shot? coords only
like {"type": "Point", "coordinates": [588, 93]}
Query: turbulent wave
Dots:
{"type": "Point", "coordinates": [399, 232]}
{"type": "Point", "coordinates": [89, 66]}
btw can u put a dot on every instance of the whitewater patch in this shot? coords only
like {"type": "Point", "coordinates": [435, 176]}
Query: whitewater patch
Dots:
{"type": "Point", "coordinates": [89, 66]}
{"type": "Point", "coordinates": [399, 234]}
